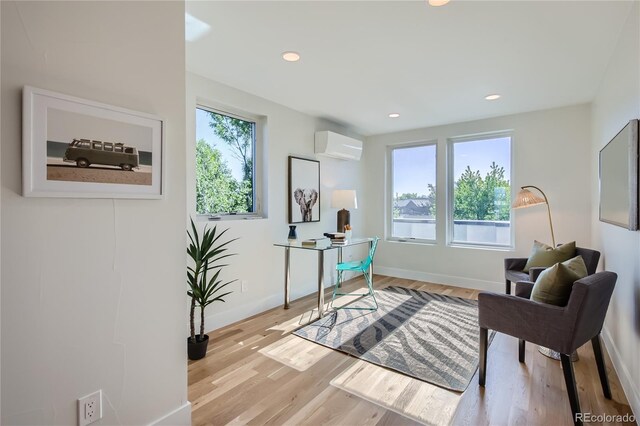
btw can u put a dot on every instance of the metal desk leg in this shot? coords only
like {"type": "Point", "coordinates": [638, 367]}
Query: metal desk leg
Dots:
{"type": "Point", "coordinates": [371, 264]}
{"type": "Point", "coordinates": [339, 261]}
{"type": "Point", "coordinates": [320, 283]}
{"type": "Point", "coordinates": [287, 277]}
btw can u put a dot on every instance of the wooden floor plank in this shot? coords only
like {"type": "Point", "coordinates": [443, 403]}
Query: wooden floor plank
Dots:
{"type": "Point", "coordinates": [256, 372]}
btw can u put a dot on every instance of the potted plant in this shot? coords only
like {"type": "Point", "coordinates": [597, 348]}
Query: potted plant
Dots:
{"type": "Point", "coordinates": [203, 279]}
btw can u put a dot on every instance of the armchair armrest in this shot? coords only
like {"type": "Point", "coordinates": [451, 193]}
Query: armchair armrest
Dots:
{"type": "Point", "coordinates": [523, 289]}
{"type": "Point", "coordinates": [525, 319]}
{"type": "Point", "coordinates": [515, 263]}
{"type": "Point", "coordinates": [535, 272]}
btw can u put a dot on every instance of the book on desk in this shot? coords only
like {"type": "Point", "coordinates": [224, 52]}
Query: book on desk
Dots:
{"type": "Point", "coordinates": [312, 242]}
{"type": "Point", "coordinates": [337, 238]}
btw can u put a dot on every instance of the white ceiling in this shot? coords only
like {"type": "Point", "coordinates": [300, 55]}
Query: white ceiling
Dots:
{"type": "Point", "coordinates": [365, 59]}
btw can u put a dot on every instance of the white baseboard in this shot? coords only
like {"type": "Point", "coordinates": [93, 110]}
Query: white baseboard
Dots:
{"type": "Point", "coordinates": [441, 279]}
{"type": "Point", "coordinates": [181, 416]}
{"type": "Point", "coordinates": [242, 312]}
{"type": "Point", "coordinates": [629, 386]}
{"type": "Point", "coordinates": [239, 313]}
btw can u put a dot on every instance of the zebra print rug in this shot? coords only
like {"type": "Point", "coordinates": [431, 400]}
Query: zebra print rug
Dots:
{"type": "Point", "coordinates": [429, 336]}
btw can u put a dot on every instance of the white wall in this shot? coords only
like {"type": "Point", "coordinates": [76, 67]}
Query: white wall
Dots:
{"type": "Point", "coordinates": [93, 290]}
{"type": "Point", "coordinates": [0, 235]}
{"type": "Point", "coordinates": [548, 150]}
{"type": "Point", "coordinates": [288, 132]}
{"type": "Point", "coordinates": [618, 101]}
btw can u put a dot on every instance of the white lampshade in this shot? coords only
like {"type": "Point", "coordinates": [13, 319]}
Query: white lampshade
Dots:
{"type": "Point", "coordinates": [344, 199]}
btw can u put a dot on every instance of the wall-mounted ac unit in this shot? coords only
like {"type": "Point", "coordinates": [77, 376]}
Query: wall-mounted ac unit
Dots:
{"type": "Point", "coordinates": [338, 146]}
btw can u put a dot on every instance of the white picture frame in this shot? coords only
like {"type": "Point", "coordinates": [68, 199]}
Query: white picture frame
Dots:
{"type": "Point", "coordinates": [124, 149]}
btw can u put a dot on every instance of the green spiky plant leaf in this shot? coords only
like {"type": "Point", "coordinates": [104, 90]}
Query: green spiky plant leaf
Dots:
{"type": "Point", "coordinates": [206, 250]}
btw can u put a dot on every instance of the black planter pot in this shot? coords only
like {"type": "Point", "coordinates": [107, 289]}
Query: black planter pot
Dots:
{"type": "Point", "coordinates": [198, 349]}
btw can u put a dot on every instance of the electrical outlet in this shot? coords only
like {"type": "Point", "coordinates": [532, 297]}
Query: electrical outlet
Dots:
{"type": "Point", "coordinates": [244, 285]}
{"type": "Point", "coordinates": [90, 408]}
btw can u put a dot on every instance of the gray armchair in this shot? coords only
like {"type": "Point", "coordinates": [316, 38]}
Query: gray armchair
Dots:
{"type": "Point", "coordinates": [563, 329]}
{"type": "Point", "coordinates": [513, 267]}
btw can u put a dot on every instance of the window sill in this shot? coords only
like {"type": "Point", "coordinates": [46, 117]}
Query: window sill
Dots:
{"type": "Point", "coordinates": [412, 241]}
{"type": "Point", "coordinates": [228, 218]}
{"type": "Point", "coordinates": [450, 245]}
{"type": "Point", "coordinates": [481, 247]}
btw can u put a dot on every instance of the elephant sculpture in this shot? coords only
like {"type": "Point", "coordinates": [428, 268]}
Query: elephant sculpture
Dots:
{"type": "Point", "coordinates": [306, 198]}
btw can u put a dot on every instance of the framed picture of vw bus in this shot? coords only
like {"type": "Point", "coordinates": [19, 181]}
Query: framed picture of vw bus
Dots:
{"type": "Point", "coordinates": [79, 148]}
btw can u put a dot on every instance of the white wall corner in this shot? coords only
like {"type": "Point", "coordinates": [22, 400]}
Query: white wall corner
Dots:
{"type": "Point", "coordinates": [440, 279]}
{"type": "Point", "coordinates": [181, 416]}
{"type": "Point", "coordinates": [629, 385]}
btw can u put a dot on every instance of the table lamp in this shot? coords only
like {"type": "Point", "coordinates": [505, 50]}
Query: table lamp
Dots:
{"type": "Point", "coordinates": [527, 198]}
{"type": "Point", "coordinates": [344, 199]}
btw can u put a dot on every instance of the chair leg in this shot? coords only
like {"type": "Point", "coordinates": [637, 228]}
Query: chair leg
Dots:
{"type": "Point", "coordinates": [521, 349]}
{"type": "Point", "coordinates": [335, 288]}
{"type": "Point", "coordinates": [572, 390]}
{"type": "Point", "coordinates": [369, 292]}
{"type": "Point", "coordinates": [602, 372]}
{"type": "Point", "coordinates": [483, 356]}
{"type": "Point", "coordinates": [507, 288]}
{"type": "Point", "coordinates": [367, 277]}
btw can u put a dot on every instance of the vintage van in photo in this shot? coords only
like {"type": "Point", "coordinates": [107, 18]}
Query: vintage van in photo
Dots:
{"type": "Point", "coordinates": [85, 152]}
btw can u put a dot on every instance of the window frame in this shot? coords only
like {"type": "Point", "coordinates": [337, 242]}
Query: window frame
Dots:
{"type": "Point", "coordinates": [257, 178]}
{"type": "Point", "coordinates": [450, 181]}
{"type": "Point", "coordinates": [389, 197]}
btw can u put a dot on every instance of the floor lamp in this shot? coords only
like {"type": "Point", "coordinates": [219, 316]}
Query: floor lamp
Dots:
{"type": "Point", "coordinates": [527, 198]}
{"type": "Point", "coordinates": [524, 199]}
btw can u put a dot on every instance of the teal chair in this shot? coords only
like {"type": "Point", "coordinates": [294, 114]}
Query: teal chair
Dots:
{"type": "Point", "coordinates": [357, 266]}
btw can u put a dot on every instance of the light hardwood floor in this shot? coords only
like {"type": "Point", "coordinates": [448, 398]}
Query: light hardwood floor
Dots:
{"type": "Point", "coordinates": [256, 372]}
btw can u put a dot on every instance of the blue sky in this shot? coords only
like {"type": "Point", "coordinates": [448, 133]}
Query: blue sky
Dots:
{"type": "Point", "coordinates": [414, 167]}
{"type": "Point", "coordinates": [203, 131]}
{"type": "Point", "coordinates": [480, 154]}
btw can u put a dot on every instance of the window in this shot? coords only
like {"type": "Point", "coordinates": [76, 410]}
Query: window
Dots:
{"type": "Point", "coordinates": [479, 190]}
{"type": "Point", "coordinates": [225, 172]}
{"type": "Point", "coordinates": [413, 192]}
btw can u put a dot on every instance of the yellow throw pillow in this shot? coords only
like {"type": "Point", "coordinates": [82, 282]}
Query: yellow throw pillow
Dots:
{"type": "Point", "coordinates": [554, 284]}
{"type": "Point", "coordinates": [545, 256]}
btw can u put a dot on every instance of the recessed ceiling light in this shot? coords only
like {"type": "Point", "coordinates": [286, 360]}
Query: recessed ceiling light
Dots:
{"type": "Point", "coordinates": [492, 97]}
{"type": "Point", "coordinates": [394, 115]}
{"type": "Point", "coordinates": [291, 56]}
{"type": "Point", "coordinates": [438, 2]}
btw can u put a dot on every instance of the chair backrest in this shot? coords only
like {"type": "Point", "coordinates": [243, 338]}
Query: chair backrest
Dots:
{"type": "Point", "coordinates": [588, 306]}
{"type": "Point", "coordinates": [590, 257]}
{"type": "Point", "coordinates": [372, 252]}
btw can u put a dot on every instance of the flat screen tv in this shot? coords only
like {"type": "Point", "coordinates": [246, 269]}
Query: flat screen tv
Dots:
{"type": "Point", "coordinates": [619, 178]}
